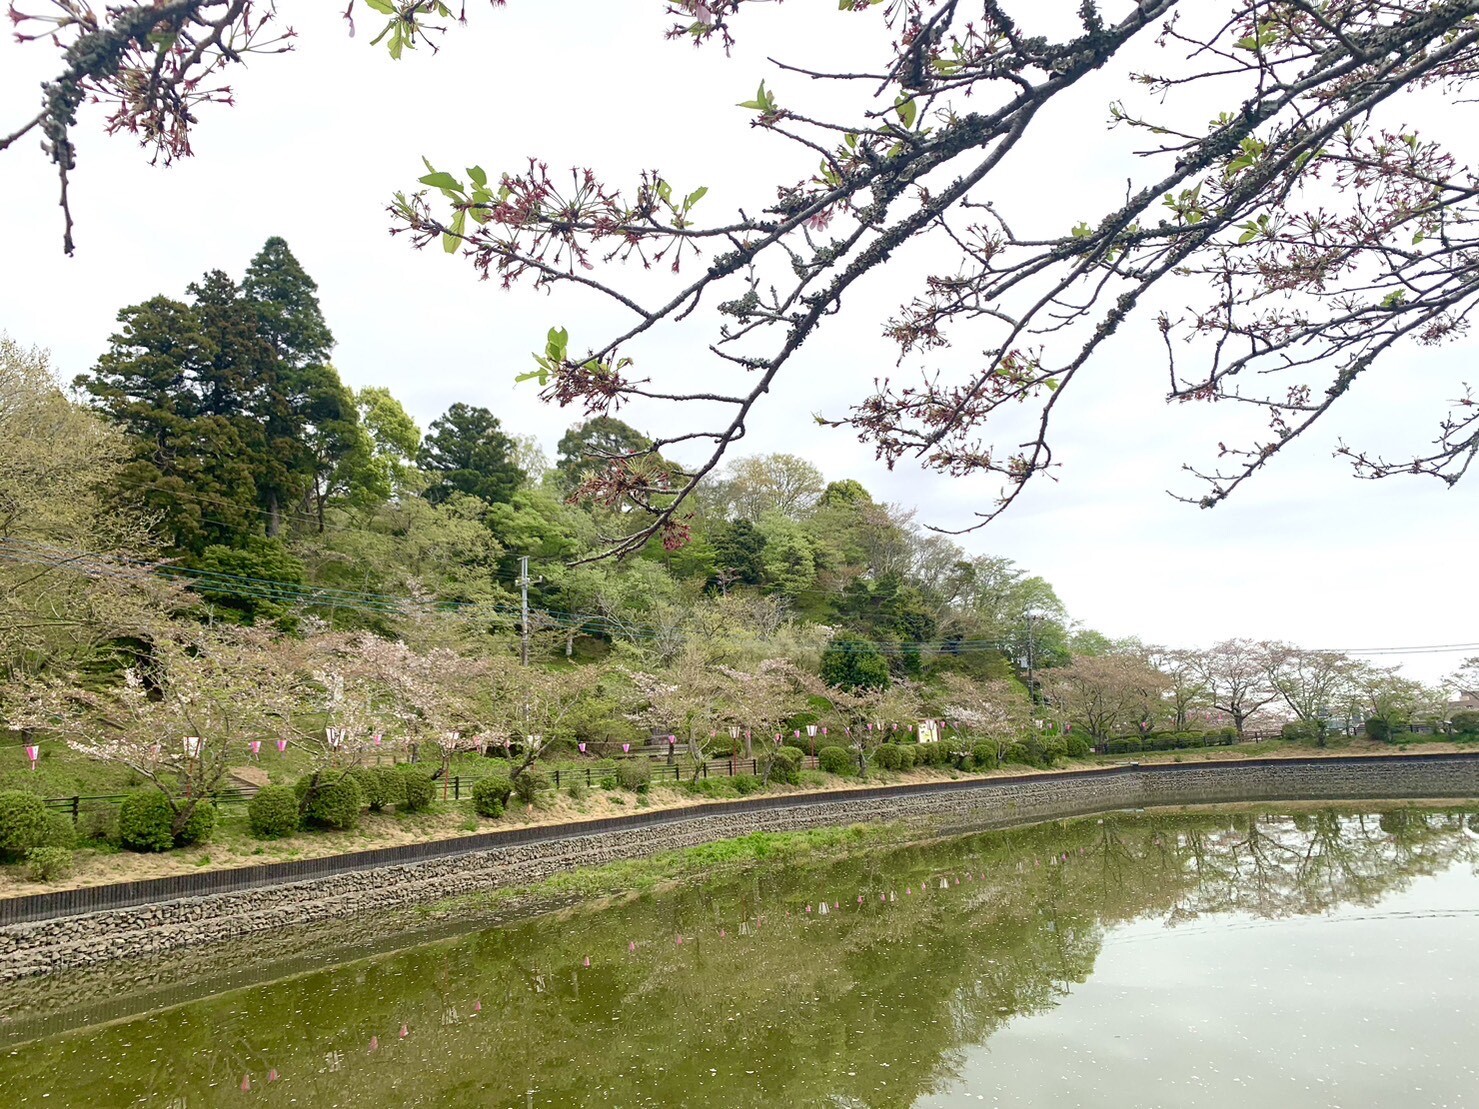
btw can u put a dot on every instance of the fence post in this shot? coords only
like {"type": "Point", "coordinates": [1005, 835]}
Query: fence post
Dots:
{"type": "Point", "coordinates": [587, 775]}
{"type": "Point", "coordinates": [557, 777]}
{"type": "Point", "coordinates": [76, 801]}
{"type": "Point", "coordinates": [705, 769]}
{"type": "Point", "coordinates": [457, 787]}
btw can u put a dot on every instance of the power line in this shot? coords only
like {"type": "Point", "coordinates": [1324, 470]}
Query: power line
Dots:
{"type": "Point", "coordinates": [26, 552]}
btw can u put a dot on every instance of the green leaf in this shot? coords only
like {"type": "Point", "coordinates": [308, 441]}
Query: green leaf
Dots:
{"type": "Point", "coordinates": [1394, 298]}
{"type": "Point", "coordinates": [907, 110]}
{"type": "Point", "coordinates": [479, 176]}
{"type": "Point", "coordinates": [452, 239]}
{"type": "Point", "coordinates": [694, 197]}
{"type": "Point", "coordinates": [384, 7]}
{"type": "Point", "coordinates": [764, 101]}
{"type": "Point", "coordinates": [441, 180]}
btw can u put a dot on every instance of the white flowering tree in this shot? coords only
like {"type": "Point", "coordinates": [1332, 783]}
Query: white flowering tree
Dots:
{"type": "Point", "coordinates": [429, 697]}
{"type": "Point", "coordinates": [867, 717]}
{"type": "Point", "coordinates": [535, 705]}
{"type": "Point", "coordinates": [183, 715]}
{"type": "Point", "coordinates": [695, 698]}
{"type": "Point", "coordinates": [995, 712]}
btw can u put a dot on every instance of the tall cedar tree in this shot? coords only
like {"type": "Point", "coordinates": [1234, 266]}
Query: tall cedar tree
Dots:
{"type": "Point", "coordinates": [466, 451]}
{"type": "Point", "coordinates": [234, 412]}
{"type": "Point", "coordinates": [165, 381]}
{"type": "Point", "coordinates": [308, 414]}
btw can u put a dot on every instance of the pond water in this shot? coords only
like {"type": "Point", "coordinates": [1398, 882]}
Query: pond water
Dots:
{"type": "Point", "coordinates": [1319, 958]}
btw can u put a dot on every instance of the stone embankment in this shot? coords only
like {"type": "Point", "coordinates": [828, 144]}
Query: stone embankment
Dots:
{"type": "Point", "coordinates": [50, 932]}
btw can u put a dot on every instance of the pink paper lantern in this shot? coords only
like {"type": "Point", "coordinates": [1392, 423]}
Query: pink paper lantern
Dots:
{"type": "Point", "coordinates": [256, 747]}
{"type": "Point", "coordinates": [282, 747]}
{"type": "Point", "coordinates": [377, 739]}
{"type": "Point", "coordinates": [33, 752]}
{"type": "Point", "coordinates": [672, 739]}
{"type": "Point", "coordinates": [581, 745]}
{"type": "Point", "coordinates": [626, 748]}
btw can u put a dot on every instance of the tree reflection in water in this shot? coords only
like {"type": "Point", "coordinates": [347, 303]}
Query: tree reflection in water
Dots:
{"type": "Point", "coordinates": [730, 991]}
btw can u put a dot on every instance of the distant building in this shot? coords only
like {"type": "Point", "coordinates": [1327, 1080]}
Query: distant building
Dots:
{"type": "Point", "coordinates": [1466, 701]}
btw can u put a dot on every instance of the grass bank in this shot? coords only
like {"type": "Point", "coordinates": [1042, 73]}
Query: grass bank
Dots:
{"type": "Point", "coordinates": [708, 861]}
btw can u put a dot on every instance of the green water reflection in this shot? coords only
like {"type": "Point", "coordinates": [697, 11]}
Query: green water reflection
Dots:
{"type": "Point", "coordinates": [1322, 958]}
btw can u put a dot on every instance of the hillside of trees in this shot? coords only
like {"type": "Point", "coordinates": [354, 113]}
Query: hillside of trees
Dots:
{"type": "Point", "coordinates": [210, 541]}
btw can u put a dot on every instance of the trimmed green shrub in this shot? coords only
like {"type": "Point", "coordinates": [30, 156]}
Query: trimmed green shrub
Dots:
{"type": "Point", "coordinates": [333, 802]}
{"type": "Point", "coordinates": [47, 864]}
{"type": "Point", "coordinates": [23, 823]}
{"type": "Point", "coordinates": [1078, 746]}
{"type": "Point", "coordinates": [785, 765]}
{"type": "Point", "coordinates": [908, 757]}
{"type": "Point", "coordinates": [417, 788]}
{"type": "Point", "coordinates": [1303, 731]}
{"type": "Point", "coordinates": [273, 812]}
{"type": "Point", "coordinates": [983, 755]}
{"type": "Point", "coordinates": [887, 756]}
{"type": "Point", "coordinates": [835, 760]}
{"type": "Point", "coordinates": [390, 785]}
{"type": "Point", "coordinates": [490, 794]}
{"type": "Point", "coordinates": [531, 783]}
{"type": "Point", "coordinates": [198, 825]}
{"type": "Point", "coordinates": [1124, 745]}
{"type": "Point", "coordinates": [1381, 729]}
{"type": "Point", "coordinates": [60, 831]}
{"type": "Point", "coordinates": [146, 821]}
{"type": "Point", "coordinates": [745, 784]}
{"type": "Point", "coordinates": [1465, 723]}
{"type": "Point", "coordinates": [371, 787]}
{"type": "Point", "coordinates": [634, 775]}
{"type": "Point", "coordinates": [1018, 753]}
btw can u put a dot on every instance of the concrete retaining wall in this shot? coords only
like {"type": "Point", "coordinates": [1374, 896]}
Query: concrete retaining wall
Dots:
{"type": "Point", "coordinates": [42, 946]}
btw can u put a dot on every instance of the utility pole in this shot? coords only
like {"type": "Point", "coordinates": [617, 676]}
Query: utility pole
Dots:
{"type": "Point", "coordinates": [1031, 660]}
{"type": "Point", "coordinates": [524, 606]}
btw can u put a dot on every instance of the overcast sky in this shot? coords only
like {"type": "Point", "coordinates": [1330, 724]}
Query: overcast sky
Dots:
{"type": "Point", "coordinates": [320, 139]}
